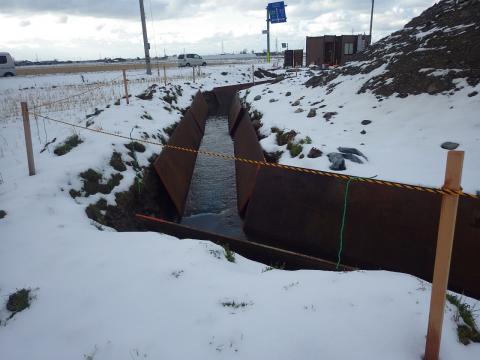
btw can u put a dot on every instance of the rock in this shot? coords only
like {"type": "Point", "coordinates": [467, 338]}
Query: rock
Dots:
{"type": "Point", "coordinates": [314, 153]}
{"type": "Point", "coordinates": [288, 93]}
{"type": "Point", "coordinates": [301, 156]}
{"type": "Point", "coordinates": [329, 115]}
{"type": "Point", "coordinates": [273, 100]}
{"type": "Point", "coordinates": [258, 74]}
{"type": "Point", "coordinates": [312, 113]}
{"type": "Point", "coordinates": [366, 122]}
{"type": "Point", "coordinates": [270, 91]}
{"type": "Point", "coordinates": [363, 132]}
{"type": "Point", "coordinates": [353, 158]}
{"type": "Point", "coordinates": [261, 73]}
{"type": "Point", "coordinates": [337, 160]}
{"type": "Point", "coordinates": [3, 213]}
{"type": "Point", "coordinates": [95, 113]}
{"type": "Point", "coordinates": [448, 145]}
{"type": "Point", "coordinates": [296, 103]}
{"type": "Point", "coordinates": [353, 151]}
{"type": "Point", "coordinates": [473, 94]}
{"type": "Point", "coordinates": [299, 110]}
{"type": "Point", "coordinates": [256, 98]}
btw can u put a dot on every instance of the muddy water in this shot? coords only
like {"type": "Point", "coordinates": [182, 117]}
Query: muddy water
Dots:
{"type": "Point", "coordinates": [212, 202]}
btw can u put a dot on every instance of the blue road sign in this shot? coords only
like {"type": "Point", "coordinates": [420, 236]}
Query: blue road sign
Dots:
{"type": "Point", "coordinates": [276, 12]}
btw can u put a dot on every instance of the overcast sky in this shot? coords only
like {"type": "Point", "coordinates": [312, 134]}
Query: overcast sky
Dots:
{"type": "Point", "coordinates": [91, 29]}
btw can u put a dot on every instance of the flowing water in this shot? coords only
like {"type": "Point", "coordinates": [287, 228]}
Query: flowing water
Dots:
{"type": "Point", "coordinates": [212, 200]}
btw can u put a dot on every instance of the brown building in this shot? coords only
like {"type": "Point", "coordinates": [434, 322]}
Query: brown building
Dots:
{"type": "Point", "coordinates": [334, 50]}
{"type": "Point", "coordinates": [293, 58]}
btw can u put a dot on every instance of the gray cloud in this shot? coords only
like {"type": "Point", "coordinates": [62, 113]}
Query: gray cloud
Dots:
{"type": "Point", "coordinates": [167, 9]}
{"type": "Point", "coordinates": [305, 18]}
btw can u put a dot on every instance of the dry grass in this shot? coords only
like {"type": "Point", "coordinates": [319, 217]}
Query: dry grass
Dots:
{"type": "Point", "coordinates": [83, 68]}
{"type": "Point", "coordinates": [65, 98]}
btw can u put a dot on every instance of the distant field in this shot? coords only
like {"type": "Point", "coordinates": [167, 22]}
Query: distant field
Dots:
{"type": "Point", "coordinates": [84, 68]}
{"type": "Point", "coordinates": [97, 67]}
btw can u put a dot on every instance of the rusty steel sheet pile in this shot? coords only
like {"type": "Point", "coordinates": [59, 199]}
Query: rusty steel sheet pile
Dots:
{"type": "Point", "coordinates": [175, 167]}
{"type": "Point", "coordinates": [234, 114]}
{"type": "Point", "coordinates": [385, 227]}
{"type": "Point", "coordinates": [199, 110]}
{"type": "Point", "coordinates": [246, 146]}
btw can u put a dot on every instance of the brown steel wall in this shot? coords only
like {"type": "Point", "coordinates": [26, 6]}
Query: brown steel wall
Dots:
{"type": "Point", "coordinates": [288, 58]}
{"type": "Point", "coordinates": [246, 146]}
{"type": "Point", "coordinates": [199, 110]}
{"type": "Point", "coordinates": [314, 48]}
{"type": "Point", "coordinates": [174, 167]}
{"type": "Point", "coordinates": [386, 228]}
{"type": "Point", "coordinates": [234, 114]}
{"type": "Point", "coordinates": [225, 95]}
{"type": "Point", "coordinates": [298, 57]}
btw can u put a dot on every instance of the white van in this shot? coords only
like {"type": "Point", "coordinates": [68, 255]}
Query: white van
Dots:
{"type": "Point", "coordinates": [190, 60]}
{"type": "Point", "coordinates": [7, 65]}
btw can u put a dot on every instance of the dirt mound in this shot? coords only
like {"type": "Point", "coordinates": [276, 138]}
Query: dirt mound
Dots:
{"type": "Point", "coordinates": [427, 56]}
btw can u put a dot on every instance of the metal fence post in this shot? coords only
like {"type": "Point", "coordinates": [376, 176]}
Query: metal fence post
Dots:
{"type": "Point", "coordinates": [28, 138]}
{"type": "Point", "coordinates": [446, 231]}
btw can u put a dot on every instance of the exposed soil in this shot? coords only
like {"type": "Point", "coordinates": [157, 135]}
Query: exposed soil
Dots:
{"type": "Point", "coordinates": [148, 197]}
{"type": "Point", "coordinates": [426, 56]}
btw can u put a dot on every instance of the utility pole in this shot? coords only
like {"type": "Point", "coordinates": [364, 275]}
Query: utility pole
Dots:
{"type": "Point", "coordinates": [146, 45]}
{"type": "Point", "coordinates": [268, 36]}
{"type": "Point", "coordinates": [371, 21]}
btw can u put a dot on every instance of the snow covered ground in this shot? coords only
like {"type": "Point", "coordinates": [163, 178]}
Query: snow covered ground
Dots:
{"type": "Point", "coordinates": [402, 141]}
{"type": "Point", "coordinates": [108, 295]}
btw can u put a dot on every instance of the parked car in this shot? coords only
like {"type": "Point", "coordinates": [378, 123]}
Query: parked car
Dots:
{"type": "Point", "coordinates": [191, 60]}
{"type": "Point", "coordinates": [7, 65]}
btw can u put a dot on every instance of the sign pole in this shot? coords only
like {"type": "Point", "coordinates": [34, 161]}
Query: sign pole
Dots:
{"type": "Point", "coordinates": [446, 231]}
{"type": "Point", "coordinates": [268, 36]}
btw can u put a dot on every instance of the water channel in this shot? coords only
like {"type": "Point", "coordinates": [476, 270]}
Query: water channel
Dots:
{"type": "Point", "coordinates": [212, 202]}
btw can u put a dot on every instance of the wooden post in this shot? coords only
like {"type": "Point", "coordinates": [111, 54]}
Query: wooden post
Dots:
{"type": "Point", "coordinates": [125, 84]}
{"type": "Point", "coordinates": [253, 74]}
{"type": "Point", "coordinates": [28, 138]}
{"type": "Point", "coordinates": [165, 74]}
{"type": "Point", "coordinates": [446, 231]}
{"type": "Point", "coordinates": [193, 69]}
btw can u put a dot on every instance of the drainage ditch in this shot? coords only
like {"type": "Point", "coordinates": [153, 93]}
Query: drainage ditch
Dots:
{"type": "Point", "coordinates": [211, 202]}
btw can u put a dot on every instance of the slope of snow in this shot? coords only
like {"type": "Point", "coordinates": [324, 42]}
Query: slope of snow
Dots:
{"type": "Point", "coordinates": [107, 295]}
{"type": "Point", "coordinates": [402, 142]}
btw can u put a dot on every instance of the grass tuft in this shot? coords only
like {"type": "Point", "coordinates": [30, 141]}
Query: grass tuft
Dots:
{"type": "Point", "coordinates": [229, 254]}
{"type": "Point", "coordinates": [235, 305]}
{"type": "Point", "coordinates": [466, 328]}
{"type": "Point", "coordinates": [19, 301]}
{"type": "Point", "coordinates": [70, 143]}
{"type": "Point", "coordinates": [116, 162]}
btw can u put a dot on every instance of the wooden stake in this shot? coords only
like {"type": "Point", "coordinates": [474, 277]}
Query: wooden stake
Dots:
{"type": "Point", "coordinates": [165, 74]}
{"type": "Point", "coordinates": [253, 74]}
{"type": "Point", "coordinates": [28, 138]}
{"type": "Point", "coordinates": [446, 231]}
{"type": "Point", "coordinates": [125, 84]}
{"type": "Point", "coordinates": [193, 68]}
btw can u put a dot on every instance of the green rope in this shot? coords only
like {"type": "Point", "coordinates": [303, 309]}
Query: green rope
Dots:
{"type": "Point", "coordinates": [342, 227]}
